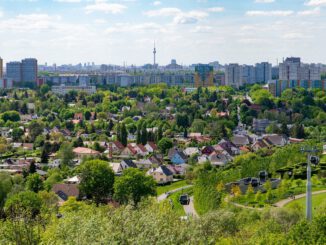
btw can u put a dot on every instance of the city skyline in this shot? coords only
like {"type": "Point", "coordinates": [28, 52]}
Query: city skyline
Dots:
{"type": "Point", "coordinates": [190, 31]}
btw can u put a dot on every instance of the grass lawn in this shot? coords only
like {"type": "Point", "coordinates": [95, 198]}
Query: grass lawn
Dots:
{"type": "Point", "coordinates": [165, 188]}
{"type": "Point", "coordinates": [317, 201]}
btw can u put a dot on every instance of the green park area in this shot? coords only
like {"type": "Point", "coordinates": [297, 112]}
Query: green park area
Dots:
{"type": "Point", "coordinates": [318, 201]}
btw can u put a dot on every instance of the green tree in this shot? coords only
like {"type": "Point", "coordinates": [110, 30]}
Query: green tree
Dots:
{"type": "Point", "coordinates": [10, 116]}
{"type": "Point", "coordinates": [144, 134]}
{"type": "Point", "coordinates": [23, 204]}
{"type": "Point", "coordinates": [34, 183]}
{"type": "Point", "coordinates": [17, 133]}
{"type": "Point", "coordinates": [132, 186]}
{"type": "Point", "coordinates": [164, 145]}
{"type": "Point", "coordinates": [123, 135]}
{"type": "Point", "coordinates": [35, 129]}
{"type": "Point", "coordinates": [32, 168]}
{"type": "Point", "coordinates": [97, 180]}
{"type": "Point", "coordinates": [66, 154]}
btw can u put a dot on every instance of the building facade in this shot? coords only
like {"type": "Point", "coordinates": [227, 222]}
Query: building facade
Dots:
{"type": "Point", "coordinates": [29, 70]}
{"type": "Point", "coordinates": [263, 72]}
{"type": "Point", "coordinates": [248, 74]}
{"type": "Point", "coordinates": [204, 76]}
{"type": "Point", "coordinates": [276, 87]}
{"type": "Point", "coordinates": [233, 75]}
{"type": "Point", "coordinates": [14, 71]}
{"type": "Point", "coordinates": [293, 69]}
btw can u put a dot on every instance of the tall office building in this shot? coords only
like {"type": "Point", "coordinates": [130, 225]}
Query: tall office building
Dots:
{"type": "Point", "coordinates": [248, 74]}
{"type": "Point", "coordinates": [1, 68]}
{"type": "Point", "coordinates": [233, 75]}
{"type": "Point", "coordinates": [14, 71]}
{"type": "Point", "coordinates": [29, 70]}
{"type": "Point", "coordinates": [263, 72]}
{"type": "Point", "coordinates": [204, 76]}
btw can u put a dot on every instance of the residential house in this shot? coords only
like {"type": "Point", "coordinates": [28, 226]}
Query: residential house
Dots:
{"type": "Point", "coordinates": [190, 151]}
{"type": "Point", "coordinates": [64, 191]}
{"type": "Point", "coordinates": [240, 140]}
{"type": "Point", "coordinates": [261, 143]}
{"type": "Point", "coordinates": [276, 140]}
{"type": "Point", "coordinates": [129, 151]}
{"type": "Point", "coordinates": [207, 150]}
{"type": "Point", "coordinates": [178, 169]}
{"type": "Point", "coordinates": [5, 132]}
{"type": "Point", "coordinates": [161, 174]}
{"type": "Point", "coordinates": [151, 147]}
{"type": "Point", "coordinates": [81, 152]}
{"type": "Point", "coordinates": [218, 159]}
{"type": "Point", "coordinates": [128, 163]}
{"type": "Point", "coordinates": [177, 156]}
{"type": "Point", "coordinates": [116, 146]}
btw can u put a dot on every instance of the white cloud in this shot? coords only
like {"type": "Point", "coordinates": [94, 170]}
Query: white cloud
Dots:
{"type": "Point", "coordinates": [315, 11]}
{"type": "Point", "coordinates": [103, 6]}
{"type": "Point", "coordinates": [29, 22]}
{"type": "Point", "coordinates": [135, 28]}
{"type": "Point", "coordinates": [179, 17]}
{"type": "Point", "coordinates": [163, 12]}
{"type": "Point", "coordinates": [264, 1]}
{"type": "Point", "coordinates": [157, 3]}
{"type": "Point", "coordinates": [280, 13]}
{"type": "Point", "coordinates": [1, 13]}
{"type": "Point", "coordinates": [316, 2]}
{"type": "Point", "coordinates": [216, 9]}
{"type": "Point", "coordinates": [68, 1]}
{"type": "Point", "coordinates": [293, 36]}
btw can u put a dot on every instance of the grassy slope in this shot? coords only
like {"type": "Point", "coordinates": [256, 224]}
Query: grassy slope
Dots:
{"type": "Point", "coordinates": [175, 185]}
{"type": "Point", "coordinates": [317, 201]}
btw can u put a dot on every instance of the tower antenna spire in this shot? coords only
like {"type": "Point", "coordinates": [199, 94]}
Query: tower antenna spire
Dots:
{"type": "Point", "coordinates": [154, 53]}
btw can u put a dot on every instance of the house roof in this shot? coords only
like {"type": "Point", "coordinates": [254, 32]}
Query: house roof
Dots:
{"type": "Point", "coordinates": [162, 169]}
{"type": "Point", "coordinates": [130, 163]}
{"type": "Point", "coordinates": [276, 139]}
{"type": "Point", "coordinates": [66, 190]}
{"type": "Point", "coordinates": [118, 145]}
{"type": "Point", "coordinates": [240, 140]}
{"type": "Point", "coordinates": [152, 145]}
{"type": "Point", "coordinates": [84, 150]}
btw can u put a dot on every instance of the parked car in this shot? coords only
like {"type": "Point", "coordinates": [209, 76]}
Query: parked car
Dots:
{"type": "Point", "coordinates": [184, 199]}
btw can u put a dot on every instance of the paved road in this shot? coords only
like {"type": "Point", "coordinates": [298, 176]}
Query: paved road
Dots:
{"type": "Point", "coordinates": [190, 209]}
{"type": "Point", "coordinates": [166, 195]}
{"type": "Point", "coordinates": [282, 203]}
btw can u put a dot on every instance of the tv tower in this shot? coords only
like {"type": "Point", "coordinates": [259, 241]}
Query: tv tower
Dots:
{"type": "Point", "coordinates": [154, 53]}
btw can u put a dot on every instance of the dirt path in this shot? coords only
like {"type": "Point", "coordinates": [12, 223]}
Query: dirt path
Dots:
{"type": "Point", "coordinates": [283, 202]}
{"type": "Point", "coordinates": [190, 209]}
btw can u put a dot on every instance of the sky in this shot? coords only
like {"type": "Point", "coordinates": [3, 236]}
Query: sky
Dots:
{"type": "Point", "coordinates": [190, 31]}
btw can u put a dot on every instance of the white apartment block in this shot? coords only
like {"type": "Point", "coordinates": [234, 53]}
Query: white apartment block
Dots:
{"type": "Point", "coordinates": [293, 69]}
{"type": "Point", "coordinates": [62, 89]}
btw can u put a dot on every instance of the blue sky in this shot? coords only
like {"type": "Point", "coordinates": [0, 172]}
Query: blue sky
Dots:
{"type": "Point", "coordinates": [191, 31]}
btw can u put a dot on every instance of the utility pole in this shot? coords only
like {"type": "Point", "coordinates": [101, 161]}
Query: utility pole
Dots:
{"type": "Point", "coordinates": [310, 158]}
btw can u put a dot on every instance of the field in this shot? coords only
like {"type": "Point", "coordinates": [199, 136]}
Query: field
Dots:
{"type": "Point", "coordinates": [173, 186]}
{"type": "Point", "coordinates": [317, 202]}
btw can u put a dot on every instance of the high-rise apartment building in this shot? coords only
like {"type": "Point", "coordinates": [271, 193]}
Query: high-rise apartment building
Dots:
{"type": "Point", "coordinates": [293, 69]}
{"type": "Point", "coordinates": [14, 71]}
{"type": "Point", "coordinates": [263, 72]}
{"type": "Point", "coordinates": [29, 70]}
{"type": "Point", "coordinates": [248, 74]}
{"type": "Point", "coordinates": [25, 71]}
{"type": "Point", "coordinates": [204, 76]}
{"type": "Point", "coordinates": [1, 68]}
{"type": "Point", "coordinates": [233, 75]}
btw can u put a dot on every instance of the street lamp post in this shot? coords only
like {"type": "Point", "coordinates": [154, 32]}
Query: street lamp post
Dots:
{"type": "Point", "coordinates": [314, 160]}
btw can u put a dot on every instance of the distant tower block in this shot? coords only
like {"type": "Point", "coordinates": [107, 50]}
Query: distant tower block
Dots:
{"type": "Point", "coordinates": [154, 54]}
{"type": "Point", "coordinates": [204, 76]}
